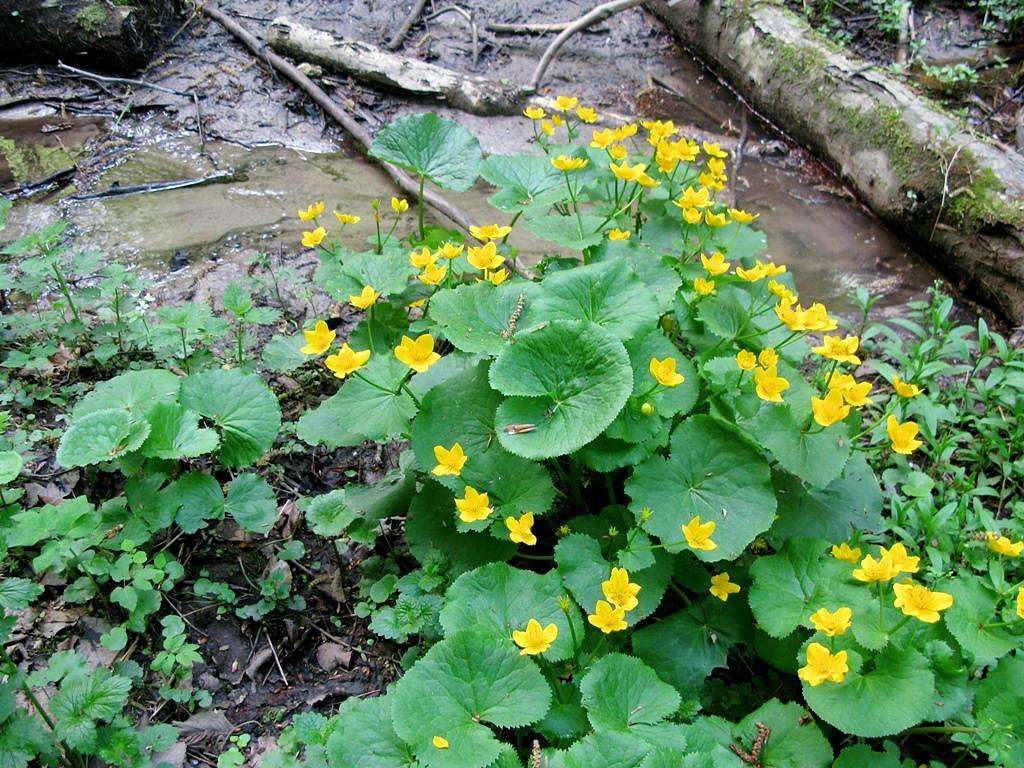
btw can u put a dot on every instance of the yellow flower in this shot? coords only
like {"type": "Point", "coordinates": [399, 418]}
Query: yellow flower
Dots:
{"type": "Point", "coordinates": [845, 552]}
{"type": "Point", "coordinates": [534, 113]}
{"type": "Point", "coordinates": [422, 258]}
{"type": "Point", "coordinates": [346, 361]}
{"type": "Point", "coordinates": [742, 217]}
{"type": "Point", "coordinates": [856, 393]}
{"type": "Point", "coordinates": [870, 569]}
{"type": "Point", "coordinates": [703, 287]}
{"type": "Point", "coordinates": [602, 138]}
{"type": "Point", "coordinates": [498, 277]}
{"type": "Point", "coordinates": [346, 218]}
{"type": "Point", "coordinates": [450, 461]}
{"type": "Point", "coordinates": [698, 535]}
{"type": "Point", "coordinates": [565, 103]}
{"type": "Point", "coordinates": [903, 436]}
{"type": "Point", "coordinates": [627, 172]}
{"type": "Point", "coordinates": [664, 372]}
{"type": "Point", "coordinates": [832, 623]}
{"type": "Point", "coordinates": [840, 350]}
{"type": "Point", "coordinates": [365, 298]}
{"type": "Point", "coordinates": [318, 339]}
{"type": "Point", "coordinates": [816, 318]}
{"type": "Point", "coordinates": [586, 114]}
{"type": "Point", "coordinates": [920, 602]}
{"type": "Point", "coordinates": [618, 152]}
{"type": "Point", "coordinates": [773, 269]}
{"type": "Point", "coordinates": [693, 197]}
{"type": "Point", "coordinates": [768, 357]}
{"type": "Point", "coordinates": [757, 272]}
{"type": "Point", "coordinates": [781, 291]}
{"type": "Point", "coordinates": [619, 591]}
{"type": "Point", "coordinates": [313, 211]}
{"type": "Point", "coordinates": [490, 232]}
{"type": "Point", "coordinates": [716, 167]}
{"type": "Point", "coordinates": [619, 234]}
{"type": "Point", "coordinates": [712, 149]}
{"type": "Point", "coordinates": [715, 264]}
{"type": "Point", "coordinates": [557, 120]}
{"type": "Point", "coordinates": [625, 131]}
{"type": "Point", "coordinates": [314, 238]}
{"type": "Point", "coordinates": [484, 256]}
{"type": "Point", "coordinates": [473, 506]}
{"type": "Point", "coordinates": [692, 215]}
{"type": "Point", "coordinates": [417, 303]}
{"type": "Point", "coordinates": [521, 531]}
{"type": "Point", "coordinates": [399, 205]}
{"type": "Point", "coordinates": [440, 742]}
{"type": "Point", "coordinates": [823, 665]}
{"type": "Point", "coordinates": [711, 181]}
{"type": "Point", "coordinates": [1020, 602]}
{"type": "Point", "coordinates": [606, 618]}
{"type": "Point", "coordinates": [899, 557]}
{"type": "Point", "coordinates": [419, 354]}
{"type": "Point", "coordinates": [1001, 545]}
{"type": "Point", "coordinates": [716, 220]}
{"type": "Point", "coordinates": [535, 638]}
{"type": "Point", "coordinates": [649, 182]}
{"type": "Point", "coordinates": [449, 250]}
{"type": "Point", "coordinates": [745, 360]}
{"type": "Point", "coordinates": [565, 163]}
{"type": "Point", "coordinates": [769, 385]}
{"type": "Point", "coordinates": [829, 409]}
{"type": "Point", "coordinates": [658, 130]}
{"type": "Point", "coordinates": [434, 274]}
{"type": "Point", "coordinates": [547, 127]}
{"type": "Point", "coordinates": [721, 587]}
{"type": "Point", "coordinates": [904, 388]}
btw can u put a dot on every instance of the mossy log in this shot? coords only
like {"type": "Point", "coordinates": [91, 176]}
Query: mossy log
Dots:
{"type": "Point", "coordinates": [104, 35]}
{"type": "Point", "coordinates": [956, 197]}
{"type": "Point", "coordinates": [366, 62]}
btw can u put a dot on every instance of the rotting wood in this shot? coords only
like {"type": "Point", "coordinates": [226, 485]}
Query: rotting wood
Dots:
{"type": "Point", "coordinates": [478, 95]}
{"type": "Point", "coordinates": [336, 113]}
{"type": "Point", "coordinates": [891, 145]}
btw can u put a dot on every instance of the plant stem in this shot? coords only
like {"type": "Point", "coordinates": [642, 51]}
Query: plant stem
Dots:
{"type": "Point", "coordinates": [409, 392]}
{"type": "Point", "coordinates": [5, 657]}
{"type": "Point", "coordinates": [423, 233]}
{"type": "Point", "coordinates": [65, 290]}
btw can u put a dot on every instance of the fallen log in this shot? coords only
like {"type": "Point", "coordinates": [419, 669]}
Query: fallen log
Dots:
{"type": "Point", "coordinates": [955, 196]}
{"type": "Point", "coordinates": [110, 35]}
{"type": "Point", "coordinates": [471, 93]}
{"type": "Point", "coordinates": [335, 112]}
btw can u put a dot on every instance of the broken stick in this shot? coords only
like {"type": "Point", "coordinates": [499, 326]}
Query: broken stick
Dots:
{"type": "Point", "coordinates": [331, 108]}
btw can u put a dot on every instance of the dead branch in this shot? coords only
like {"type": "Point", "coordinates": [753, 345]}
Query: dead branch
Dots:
{"type": "Point", "coordinates": [368, 63]}
{"type": "Point", "coordinates": [396, 40]}
{"type": "Point", "coordinates": [470, 18]}
{"type": "Point", "coordinates": [332, 109]}
{"type": "Point", "coordinates": [597, 14]}
{"type": "Point", "coordinates": [86, 75]}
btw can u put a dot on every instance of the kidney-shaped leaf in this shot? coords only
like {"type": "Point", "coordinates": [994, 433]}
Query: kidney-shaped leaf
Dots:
{"type": "Point", "coordinates": [366, 737]}
{"type": "Point", "coordinates": [427, 145]}
{"type": "Point", "coordinates": [476, 317]}
{"type": "Point", "coordinates": [566, 382]}
{"type": "Point", "coordinates": [524, 181]}
{"type": "Point", "coordinates": [470, 678]}
{"type": "Point", "coordinates": [101, 436]}
{"type": "Point", "coordinates": [502, 599]}
{"type": "Point", "coordinates": [241, 407]}
{"type": "Point", "coordinates": [135, 392]}
{"type": "Point", "coordinates": [709, 472]}
{"type": "Point", "coordinates": [620, 691]}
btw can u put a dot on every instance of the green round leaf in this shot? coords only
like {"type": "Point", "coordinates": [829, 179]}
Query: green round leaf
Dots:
{"type": "Point", "coordinates": [863, 756]}
{"type": "Point", "coordinates": [606, 454]}
{"type": "Point", "coordinates": [101, 436]}
{"type": "Point", "coordinates": [794, 742]}
{"type": "Point", "coordinates": [607, 294]}
{"type": "Point", "coordinates": [476, 317]}
{"type": "Point", "coordinates": [427, 145]}
{"type": "Point", "coordinates": [252, 504]}
{"type": "Point", "coordinates": [973, 607]}
{"type": "Point", "coordinates": [175, 434]}
{"type": "Point", "coordinates": [366, 737]}
{"type": "Point", "coordinates": [241, 407]}
{"type": "Point", "coordinates": [468, 679]}
{"type": "Point", "coordinates": [525, 181]}
{"type": "Point", "coordinates": [568, 231]}
{"type": "Point", "coordinates": [10, 466]}
{"type": "Point", "coordinates": [387, 272]}
{"type": "Point", "coordinates": [801, 446]}
{"type": "Point", "coordinates": [709, 473]}
{"type": "Point", "coordinates": [567, 380]}
{"type": "Point", "coordinates": [620, 691]}
{"type": "Point", "coordinates": [135, 392]}
{"type": "Point", "coordinates": [328, 515]}
{"type": "Point", "coordinates": [647, 263]}
{"type": "Point", "coordinates": [502, 599]}
{"type": "Point", "coordinates": [894, 694]}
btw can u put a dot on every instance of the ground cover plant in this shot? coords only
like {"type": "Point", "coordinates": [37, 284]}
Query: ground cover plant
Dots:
{"type": "Point", "coordinates": [656, 509]}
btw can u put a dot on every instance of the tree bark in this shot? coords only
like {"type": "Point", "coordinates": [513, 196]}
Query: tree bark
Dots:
{"type": "Point", "coordinates": [953, 195]}
{"type": "Point", "coordinates": [102, 35]}
{"type": "Point", "coordinates": [366, 62]}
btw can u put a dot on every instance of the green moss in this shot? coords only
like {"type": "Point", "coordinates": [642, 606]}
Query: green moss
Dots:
{"type": "Point", "coordinates": [982, 203]}
{"type": "Point", "coordinates": [798, 60]}
{"type": "Point", "coordinates": [32, 162]}
{"type": "Point", "coordinates": [91, 17]}
{"type": "Point", "coordinates": [883, 128]}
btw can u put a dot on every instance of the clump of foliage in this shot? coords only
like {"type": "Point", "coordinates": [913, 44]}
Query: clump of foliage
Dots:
{"type": "Point", "coordinates": [640, 497]}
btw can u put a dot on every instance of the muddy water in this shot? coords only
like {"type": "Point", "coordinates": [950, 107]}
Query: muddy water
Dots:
{"type": "Point", "coordinates": [831, 245]}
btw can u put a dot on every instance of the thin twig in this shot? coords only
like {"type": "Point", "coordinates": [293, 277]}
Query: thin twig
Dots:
{"type": "Point", "coordinates": [945, 191]}
{"type": "Point", "coordinates": [396, 40]}
{"type": "Point", "coordinates": [123, 80]}
{"type": "Point", "coordinates": [277, 661]}
{"type": "Point", "coordinates": [600, 12]}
